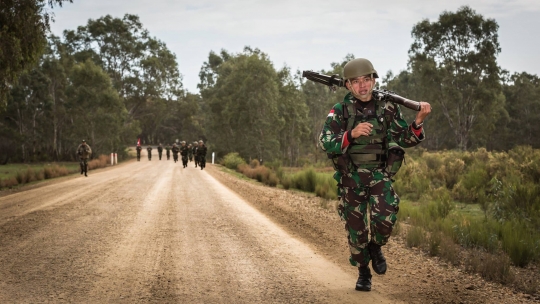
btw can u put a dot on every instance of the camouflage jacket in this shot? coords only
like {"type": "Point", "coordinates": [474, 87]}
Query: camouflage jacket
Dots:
{"type": "Point", "coordinates": [184, 150]}
{"type": "Point", "coordinates": [84, 152]}
{"type": "Point", "coordinates": [335, 138]}
{"type": "Point", "coordinates": [201, 151]}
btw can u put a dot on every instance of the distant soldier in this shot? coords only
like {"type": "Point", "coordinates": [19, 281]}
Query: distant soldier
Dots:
{"type": "Point", "coordinates": [84, 151]}
{"type": "Point", "coordinates": [149, 149]}
{"type": "Point", "coordinates": [139, 149]}
{"type": "Point", "coordinates": [201, 154]}
{"type": "Point", "coordinates": [168, 152]}
{"type": "Point", "coordinates": [190, 152]}
{"type": "Point", "coordinates": [160, 151]}
{"type": "Point", "coordinates": [175, 151]}
{"type": "Point", "coordinates": [195, 147]}
{"type": "Point", "coordinates": [184, 153]}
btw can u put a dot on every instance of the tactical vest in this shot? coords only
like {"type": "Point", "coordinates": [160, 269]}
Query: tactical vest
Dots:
{"type": "Point", "coordinates": [373, 151]}
{"type": "Point", "coordinates": [368, 151]}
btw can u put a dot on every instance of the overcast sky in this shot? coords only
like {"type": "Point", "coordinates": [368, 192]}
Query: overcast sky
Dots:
{"type": "Point", "coordinates": [308, 34]}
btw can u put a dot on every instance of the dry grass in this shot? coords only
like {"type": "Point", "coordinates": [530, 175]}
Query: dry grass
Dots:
{"type": "Point", "coordinates": [29, 174]}
{"type": "Point", "coordinates": [259, 173]}
{"type": "Point", "coordinates": [101, 162]}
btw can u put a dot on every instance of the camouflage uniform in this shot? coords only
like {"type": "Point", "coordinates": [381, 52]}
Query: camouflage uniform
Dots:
{"type": "Point", "coordinates": [84, 151]}
{"type": "Point", "coordinates": [149, 149]}
{"type": "Point", "coordinates": [201, 156]}
{"type": "Point", "coordinates": [363, 170]}
{"type": "Point", "coordinates": [139, 149]}
{"type": "Point", "coordinates": [168, 152]}
{"type": "Point", "coordinates": [175, 151]}
{"type": "Point", "coordinates": [190, 152]}
{"type": "Point", "coordinates": [195, 147]}
{"type": "Point", "coordinates": [184, 152]}
{"type": "Point", "coordinates": [159, 151]}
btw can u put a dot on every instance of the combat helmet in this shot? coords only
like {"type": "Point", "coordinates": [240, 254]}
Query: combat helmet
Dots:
{"type": "Point", "coordinates": [359, 67]}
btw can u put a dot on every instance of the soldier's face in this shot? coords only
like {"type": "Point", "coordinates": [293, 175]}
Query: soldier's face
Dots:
{"type": "Point", "coordinates": [361, 87]}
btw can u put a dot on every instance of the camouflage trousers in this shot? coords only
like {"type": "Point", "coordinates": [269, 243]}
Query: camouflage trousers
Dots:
{"type": "Point", "coordinates": [83, 163]}
{"type": "Point", "coordinates": [375, 189]}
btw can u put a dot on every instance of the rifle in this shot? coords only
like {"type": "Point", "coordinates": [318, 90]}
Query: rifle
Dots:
{"type": "Point", "coordinates": [335, 81]}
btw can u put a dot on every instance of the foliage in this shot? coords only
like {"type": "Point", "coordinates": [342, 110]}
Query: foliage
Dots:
{"type": "Point", "coordinates": [232, 160]}
{"type": "Point", "coordinates": [24, 25]}
{"type": "Point", "coordinates": [260, 173]}
{"type": "Point", "coordinates": [415, 237]}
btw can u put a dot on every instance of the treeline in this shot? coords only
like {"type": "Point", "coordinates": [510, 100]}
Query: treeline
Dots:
{"type": "Point", "coordinates": [110, 82]}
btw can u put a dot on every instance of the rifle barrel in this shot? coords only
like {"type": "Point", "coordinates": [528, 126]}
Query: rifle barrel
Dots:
{"type": "Point", "coordinates": [335, 80]}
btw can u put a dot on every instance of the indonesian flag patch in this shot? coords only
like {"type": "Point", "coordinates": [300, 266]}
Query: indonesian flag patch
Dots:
{"type": "Point", "coordinates": [331, 113]}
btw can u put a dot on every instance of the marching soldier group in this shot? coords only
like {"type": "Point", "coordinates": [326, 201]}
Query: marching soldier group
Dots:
{"type": "Point", "coordinates": [196, 150]}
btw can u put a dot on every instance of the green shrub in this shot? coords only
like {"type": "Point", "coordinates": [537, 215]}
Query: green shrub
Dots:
{"type": "Point", "coordinates": [305, 180]}
{"type": "Point", "coordinates": [493, 267]}
{"type": "Point", "coordinates": [520, 244]}
{"type": "Point", "coordinates": [286, 182]}
{"type": "Point", "coordinates": [21, 177]}
{"type": "Point", "coordinates": [434, 242]}
{"type": "Point", "coordinates": [453, 169]}
{"type": "Point", "coordinates": [449, 251]}
{"type": "Point", "coordinates": [233, 160]}
{"type": "Point", "coordinates": [326, 186]}
{"type": "Point", "coordinates": [416, 237]}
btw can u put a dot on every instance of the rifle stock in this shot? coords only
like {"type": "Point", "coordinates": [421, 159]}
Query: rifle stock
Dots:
{"type": "Point", "coordinates": [336, 81]}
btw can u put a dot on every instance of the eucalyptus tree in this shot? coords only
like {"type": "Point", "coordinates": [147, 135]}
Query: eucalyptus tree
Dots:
{"type": "Point", "coordinates": [455, 58]}
{"type": "Point", "coordinates": [143, 70]}
{"type": "Point", "coordinates": [241, 92]}
{"type": "Point", "coordinates": [23, 28]}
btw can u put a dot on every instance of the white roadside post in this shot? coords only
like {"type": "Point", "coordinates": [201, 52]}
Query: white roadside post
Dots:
{"type": "Point", "coordinates": [112, 159]}
{"type": "Point", "coordinates": [115, 158]}
{"type": "Point", "coordinates": [213, 154]}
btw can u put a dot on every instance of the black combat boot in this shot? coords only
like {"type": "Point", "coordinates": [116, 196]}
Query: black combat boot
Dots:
{"type": "Point", "coordinates": [378, 262]}
{"type": "Point", "coordinates": [364, 279]}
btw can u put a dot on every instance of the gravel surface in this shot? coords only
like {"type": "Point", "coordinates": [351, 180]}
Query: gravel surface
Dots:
{"type": "Point", "coordinates": [152, 231]}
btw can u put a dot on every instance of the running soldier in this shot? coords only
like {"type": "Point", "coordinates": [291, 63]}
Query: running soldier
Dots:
{"type": "Point", "coordinates": [149, 149]}
{"type": "Point", "coordinates": [201, 154]}
{"type": "Point", "coordinates": [190, 152]}
{"type": "Point", "coordinates": [168, 152]}
{"type": "Point", "coordinates": [184, 153]}
{"type": "Point", "coordinates": [160, 151]}
{"type": "Point", "coordinates": [84, 151]}
{"type": "Point", "coordinates": [175, 151]}
{"type": "Point", "coordinates": [195, 147]}
{"type": "Point", "coordinates": [365, 136]}
{"type": "Point", "coordinates": [139, 149]}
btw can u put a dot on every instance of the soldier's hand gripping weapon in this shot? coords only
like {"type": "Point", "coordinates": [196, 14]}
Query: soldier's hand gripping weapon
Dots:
{"type": "Point", "coordinates": [336, 81]}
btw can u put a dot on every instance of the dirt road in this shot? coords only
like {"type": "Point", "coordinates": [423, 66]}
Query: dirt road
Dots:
{"type": "Point", "coordinates": [154, 232]}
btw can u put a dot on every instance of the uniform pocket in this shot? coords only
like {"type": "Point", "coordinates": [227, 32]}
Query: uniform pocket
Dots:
{"type": "Point", "coordinates": [396, 155]}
